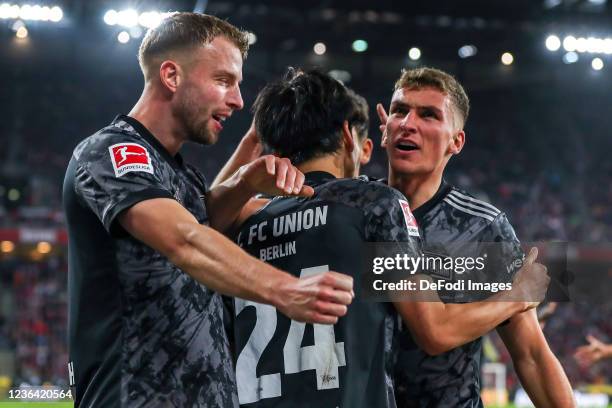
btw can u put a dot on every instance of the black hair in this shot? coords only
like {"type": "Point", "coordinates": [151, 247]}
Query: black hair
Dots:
{"type": "Point", "coordinates": [301, 116]}
{"type": "Point", "coordinates": [360, 118]}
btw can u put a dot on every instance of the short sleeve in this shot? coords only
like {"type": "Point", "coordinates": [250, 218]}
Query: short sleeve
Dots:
{"type": "Point", "coordinates": [504, 252]}
{"type": "Point", "coordinates": [111, 177]}
{"type": "Point", "coordinates": [388, 219]}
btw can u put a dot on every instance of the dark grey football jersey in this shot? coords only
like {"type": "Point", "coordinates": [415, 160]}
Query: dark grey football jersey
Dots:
{"type": "Point", "coordinates": [142, 333]}
{"type": "Point", "coordinates": [287, 364]}
{"type": "Point", "coordinates": [455, 224]}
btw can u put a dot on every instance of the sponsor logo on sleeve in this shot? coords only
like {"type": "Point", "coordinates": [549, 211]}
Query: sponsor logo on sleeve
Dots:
{"type": "Point", "coordinates": [127, 157]}
{"type": "Point", "coordinates": [411, 224]}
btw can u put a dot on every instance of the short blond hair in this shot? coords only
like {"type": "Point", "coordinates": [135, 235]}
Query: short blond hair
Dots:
{"type": "Point", "coordinates": [426, 77]}
{"type": "Point", "coordinates": [183, 31]}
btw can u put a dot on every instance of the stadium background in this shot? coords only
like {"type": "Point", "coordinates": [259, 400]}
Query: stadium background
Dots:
{"type": "Point", "coordinates": [538, 138]}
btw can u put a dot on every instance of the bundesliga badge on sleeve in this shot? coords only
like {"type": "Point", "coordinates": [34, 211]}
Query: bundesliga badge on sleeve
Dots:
{"type": "Point", "coordinates": [411, 224]}
{"type": "Point", "coordinates": [127, 157]}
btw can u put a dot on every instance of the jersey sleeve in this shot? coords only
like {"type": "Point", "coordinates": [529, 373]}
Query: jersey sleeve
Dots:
{"type": "Point", "coordinates": [388, 219]}
{"type": "Point", "coordinates": [504, 252]}
{"type": "Point", "coordinates": [116, 173]}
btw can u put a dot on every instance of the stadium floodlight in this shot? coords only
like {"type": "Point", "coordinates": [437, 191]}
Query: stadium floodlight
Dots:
{"type": "Point", "coordinates": [56, 14]}
{"type": "Point", "coordinates": [581, 44]}
{"type": "Point", "coordinates": [111, 17]}
{"type": "Point", "coordinates": [151, 19]}
{"type": "Point", "coordinates": [123, 37]}
{"type": "Point", "coordinates": [553, 43]}
{"type": "Point", "coordinates": [30, 12]}
{"type": "Point", "coordinates": [131, 18]}
{"type": "Point", "coordinates": [25, 12]}
{"type": "Point", "coordinates": [592, 45]}
{"type": "Point", "coordinates": [507, 58]}
{"type": "Point", "coordinates": [5, 9]}
{"type": "Point", "coordinates": [8, 11]}
{"type": "Point", "coordinates": [597, 64]}
{"type": "Point", "coordinates": [570, 57]}
{"type": "Point", "coordinates": [127, 18]}
{"type": "Point", "coordinates": [414, 53]}
{"type": "Point", "coordinates": [319, 48]}
{"type": "Point", "coordinates": [569, 43]}
{"type": "Point", "coordinates": [467, 51]}
{"type": "Point", "coordinates": [596, 45]}
{"type": "Point", "coordinates": [360, 45]}
{"type": "Point", "coordinates": [22, 32]}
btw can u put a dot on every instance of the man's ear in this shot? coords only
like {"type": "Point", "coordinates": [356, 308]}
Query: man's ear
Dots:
{"type": "Point", "coordinates": [170, 75]}
{"type": "Point", "coordinates": [366, 151]}
{"type": "Point", "coordinates": [458, 142]}
{"type": "Point", "coordinates": [347, 137]}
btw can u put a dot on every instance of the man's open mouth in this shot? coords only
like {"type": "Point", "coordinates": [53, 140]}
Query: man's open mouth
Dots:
{"type": "Point", "coordinates": [406, 146]}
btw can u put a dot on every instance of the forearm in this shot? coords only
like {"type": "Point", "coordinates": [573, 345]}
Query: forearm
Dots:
{"type": "Point", "coordinates": [438, 327]}
{"type": "Point", "coordinates": [462, 323]}
{"type": "Point", "coordinates": [442, 327]}
{"type": "Point", "coordinates": [538, 369]}
{"type": "Point", "coordinates": [225, 201]}
{"type": "Point", "coordinates": [215, 261]}
{"type": "Point", "coordinates": [248, 150]}
{"type": "Point", "coordinates": [544, 380]}
{"type": "Point", "coordinates": [224, 267]}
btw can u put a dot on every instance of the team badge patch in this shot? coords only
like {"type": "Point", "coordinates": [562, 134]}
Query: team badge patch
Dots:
{"type": "Point", "coordinates": [127, 157]}
{"type": "Point", "coordinates": [411, 224]}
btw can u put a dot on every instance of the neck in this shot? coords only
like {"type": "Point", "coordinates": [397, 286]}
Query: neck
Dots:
{"type": "Point", "coordinates": [331, 163]}
{"type": "Point", "coordinates": [417, 188]}
{"type": "Point", "coordinates": [153, 111]}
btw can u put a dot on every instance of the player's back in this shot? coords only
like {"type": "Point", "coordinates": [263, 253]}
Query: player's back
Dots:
{"type": "Point", "coordinates": [283, 363]}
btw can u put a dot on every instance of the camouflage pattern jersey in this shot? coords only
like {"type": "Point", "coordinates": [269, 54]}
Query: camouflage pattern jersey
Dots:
{"type": "Point", "coordinates": [142, 333]}
{"type": "Point", "coordinates": [286, 364]}
{"type": "Point", "coordinates": [454, 223]}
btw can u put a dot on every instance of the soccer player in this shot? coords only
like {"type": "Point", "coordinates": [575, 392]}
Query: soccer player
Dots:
{"type": "Point", "coordinates": [309, 117]}
{"type": "Point", "coordinates": [145, 312]}
{"type": "Point", "coordinates": [423, 130]}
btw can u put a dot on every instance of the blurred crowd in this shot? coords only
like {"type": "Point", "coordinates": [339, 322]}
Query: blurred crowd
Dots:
{"type": "Point", "coordinates": [34, 326]}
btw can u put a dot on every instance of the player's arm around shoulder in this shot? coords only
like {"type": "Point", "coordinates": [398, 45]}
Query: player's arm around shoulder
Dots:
{"type": "Point", "coordinates": [537, 367]}
{"type": "Point", "coordinates": [266, 174]}
{"type": "Point", "coordinates": [215, 261]}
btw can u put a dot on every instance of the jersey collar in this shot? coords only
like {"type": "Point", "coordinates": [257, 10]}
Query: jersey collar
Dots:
{"type": "Point", "coordinates": [176, 161]}
{"type": "Point", "coordinates": [313, 178]}
{"type": "Point", "coordinates": [423, 209]}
